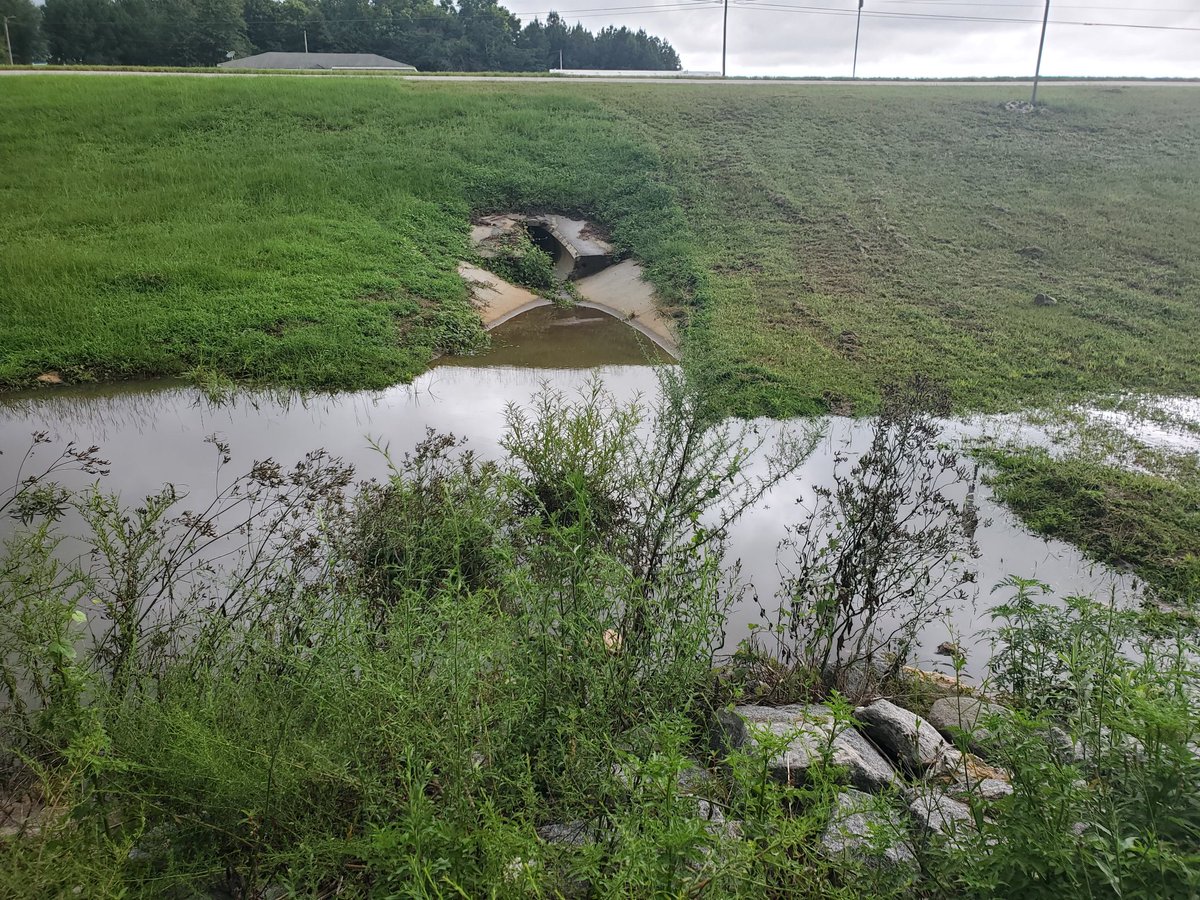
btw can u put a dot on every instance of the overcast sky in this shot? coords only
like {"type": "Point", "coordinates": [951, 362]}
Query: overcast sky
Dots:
{"type": "Point", "coordinates": [907, 37]}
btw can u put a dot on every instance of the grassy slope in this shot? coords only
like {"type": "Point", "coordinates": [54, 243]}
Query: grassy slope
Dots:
{"type": "Point", "coordinates": [897, 213]}
{"type": "Point", "coordinates": [304, 232]}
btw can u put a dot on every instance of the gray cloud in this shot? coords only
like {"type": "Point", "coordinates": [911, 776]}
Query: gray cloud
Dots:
{"type": "Point", "coordinates": [770, 41]}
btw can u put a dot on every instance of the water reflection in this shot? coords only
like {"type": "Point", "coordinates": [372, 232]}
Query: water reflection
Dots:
{"type": "Point", "coordinates": [155, 433]}
{"type": "Point", "coordinates": [581, 337]}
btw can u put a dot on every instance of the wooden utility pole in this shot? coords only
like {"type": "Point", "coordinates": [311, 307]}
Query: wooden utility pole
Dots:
{"type": "Point", "coordinates": [724, 37]}
{"type": "Point", "coordinates": [8, 41]}
{"type": "Point", "coordinates": [857, 28]}
{"type": "Point", "coordinates": [1041, 45]}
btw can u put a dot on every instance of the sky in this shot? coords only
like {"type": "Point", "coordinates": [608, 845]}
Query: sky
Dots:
{"type": "Point", "coordinates": [908, 38]}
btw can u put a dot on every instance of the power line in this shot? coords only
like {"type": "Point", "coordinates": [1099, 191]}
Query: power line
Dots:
{"type": "Point", "coordinates": [944, 3]}
{"type": "Point", "coordinates": [826, 10]}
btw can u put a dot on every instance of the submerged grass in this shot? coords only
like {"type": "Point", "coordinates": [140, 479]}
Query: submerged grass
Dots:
{"type": "Point", "coordinates": [1136, 519]}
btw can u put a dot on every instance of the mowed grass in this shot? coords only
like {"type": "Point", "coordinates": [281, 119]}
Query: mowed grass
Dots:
{"type": "Point", "coordinates": [292, 231]}
{"type": "Point", "coordinates": [825, 239]}
{"type": "Point", "coordinates": [854, 235]}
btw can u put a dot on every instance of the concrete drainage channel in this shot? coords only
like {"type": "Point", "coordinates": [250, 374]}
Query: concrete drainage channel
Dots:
{"type": "Point", "coordinates": [581, 255]}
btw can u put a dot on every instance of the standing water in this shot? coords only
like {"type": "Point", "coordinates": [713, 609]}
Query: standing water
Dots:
{"type": "Point", "coordinates": [154, 434]}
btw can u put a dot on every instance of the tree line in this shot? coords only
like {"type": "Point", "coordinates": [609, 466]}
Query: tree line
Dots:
{"type": "Point", "coordinates": [433, 35]}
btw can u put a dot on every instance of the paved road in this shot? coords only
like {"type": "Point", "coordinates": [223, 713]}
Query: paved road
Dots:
{"type": "Point", "coordinates": [617, 79]}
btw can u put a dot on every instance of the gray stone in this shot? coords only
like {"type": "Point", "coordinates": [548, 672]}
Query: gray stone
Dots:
{"type": "Point", "coordinates": [857, 680]}
{"type": "Point", "coordinates": [867, 829]}
{"type": "Point", "coordinates": [1044, 300]}
{"type": "Point", "coordinates": [574, 834]}
{"type": "Point", "coordinates": [937, 813]}
{"type": "Point", "coordinates": [907, 738]}
{"type": "Point", "coordinates": [810, 729]}
{"type": "Point", "coordinates": [967, 715]}
{"type": "Point", "coordinates": [717, 823]}
{"type": "Point", "coordinates": [984, 789]}
{"type": "Point", "coordinates": [1065, 748]}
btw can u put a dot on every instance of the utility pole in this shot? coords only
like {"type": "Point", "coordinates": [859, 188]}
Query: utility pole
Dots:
{"type": "Point", "coordinates": [305, 40]}
{"type": "Point", "coordinates": [1038, 71]}
{"type": "Point", "coordinates": [8, 41]}
{"type": "Point", "coordinates": [724, 37]}
{"type": "Point", "coordinates": [560, 59]}
{"type": "Point", "coordinates": [857, 28]}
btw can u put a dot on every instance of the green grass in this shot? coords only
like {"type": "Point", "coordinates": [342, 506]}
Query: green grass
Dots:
{"type": "Point", "coordinates": [831, 238]}
{"type": "Point", "coordinates": [304, 233]}
{"type": "Point", "coordinates": [854, 235]}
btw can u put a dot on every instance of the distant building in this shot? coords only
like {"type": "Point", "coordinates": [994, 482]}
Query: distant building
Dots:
{"type": "Point", "coordinates": [280, 60]}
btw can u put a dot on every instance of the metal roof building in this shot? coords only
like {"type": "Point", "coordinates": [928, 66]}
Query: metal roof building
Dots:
{"type": "Point", "coordinates": [280, 60]}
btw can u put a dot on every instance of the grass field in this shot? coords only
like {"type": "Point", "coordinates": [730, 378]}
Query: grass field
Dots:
{"type": "Point", "coordinates": [830, 238]}
{"type": "Point", "coordinates": [854, 234]}
{"type": "Point", "coordinates": [303, 233]}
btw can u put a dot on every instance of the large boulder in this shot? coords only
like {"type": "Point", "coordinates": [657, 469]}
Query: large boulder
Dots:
{"type": "Point", "coordinates": [968, 716]}
{"type": "Point", "coordinates": [866, 829]}
{"type": "Point", "coordinates": [810, 728]}
{"type": "Point", "coordinates": [857, 680]}
{"type": "Point", "coordinates": [907, 738]}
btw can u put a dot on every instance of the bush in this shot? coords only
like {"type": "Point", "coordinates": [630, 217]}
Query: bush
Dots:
{"type": "Point", "coordinates": [1103, 756]}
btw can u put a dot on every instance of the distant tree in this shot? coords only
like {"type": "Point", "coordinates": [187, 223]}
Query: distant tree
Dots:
{"type": "Point", "coordinates": [215, 31]}
{"type": "Point", "coordinates": [83, 31]}
{"type": "Point", "coordinates": [620, 48]}
{"type": "Point", "coordinates": [418, 32]}
{"type": "Point", "coordinates": [489, 37]}
{"type": "Point", "coordinates": [25, 31]}
{"type": "Point", "coordinates": [279, 24]}
{"type": "Point", "coordinates": [430, 34]}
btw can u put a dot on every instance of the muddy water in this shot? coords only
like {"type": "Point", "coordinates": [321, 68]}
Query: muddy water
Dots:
{"type": "Point", "coordinates": [553, 337]}
{"type": "Point", "coordinates": [155, 434]}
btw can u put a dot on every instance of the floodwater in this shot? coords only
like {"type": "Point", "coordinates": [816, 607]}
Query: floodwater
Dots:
{"type": "Point", "coordinates": [154, 433]}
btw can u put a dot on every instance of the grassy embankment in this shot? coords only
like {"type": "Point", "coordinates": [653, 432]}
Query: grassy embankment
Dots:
{"type": "Point", "coordinates": [305, 234]}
